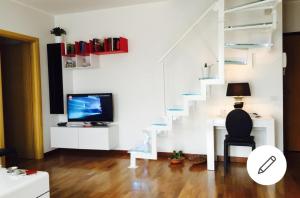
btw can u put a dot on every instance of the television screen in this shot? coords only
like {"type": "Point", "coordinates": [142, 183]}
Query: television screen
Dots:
{"type": "Point", "coordinates": [90, 107]}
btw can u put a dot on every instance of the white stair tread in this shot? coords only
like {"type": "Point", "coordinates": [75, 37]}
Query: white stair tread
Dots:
{"type": "Point", "coordinates": [253, 5]}
{"type": "Point", "coordinates": [208, 78]}
{"type": "Point", "coordinates": [159, 124]}
{"type": "Point", "coordinates": [176, 109]}
{"type": "Point", "coordinates": [141, 149]}
{"type": "Point", "coordinates": [191, 94]}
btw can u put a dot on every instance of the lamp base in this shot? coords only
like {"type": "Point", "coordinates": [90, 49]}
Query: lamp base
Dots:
{"type": "Point", "coordinates": [238, 105]}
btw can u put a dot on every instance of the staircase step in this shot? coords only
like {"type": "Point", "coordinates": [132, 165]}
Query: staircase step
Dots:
{"type": "Point", "coordinates": [211, 81]}
{"type": "Point", "coordinates": [175, 110]}
{"type": "Point", "coordinates": [208, 78]}
{"type": "Point", "coordinates": [142, 152]}
{"type": "Point", "coordinates": [159, 124]}
{"type": "Point", "coordinates": [192, 96]}
{"type": "Point", "coordinates": [141, 149]}
{"type": "Point", "coordinates": [160, 127]}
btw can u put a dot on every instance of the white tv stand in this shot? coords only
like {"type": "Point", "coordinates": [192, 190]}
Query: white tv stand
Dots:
{"type": "Point", "coordinates": [93, 138]}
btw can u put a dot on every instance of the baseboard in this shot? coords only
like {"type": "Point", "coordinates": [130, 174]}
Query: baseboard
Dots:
{"type": "Point", "coordinates": [83, 151]}
{"type": "Point", "coordinates": [168, 154]}
{"type": "Point", "coordinates": [162, 155]}
{"type": "Point", "coordinates": [233, 159]}
{"type": "Point", "coordinates": [189, 155]}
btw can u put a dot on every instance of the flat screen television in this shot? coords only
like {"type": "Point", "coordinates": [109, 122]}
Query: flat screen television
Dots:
{"type": "Point", "coordinates": [90, 107]}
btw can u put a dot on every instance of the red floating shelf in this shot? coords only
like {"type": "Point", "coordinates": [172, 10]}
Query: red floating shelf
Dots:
{"type": "Point", "coordinates": [84, 54]}
{"type": "Point", "coordinates": [110, 52]}
{"type": "Point", "coordinates": [88, 48]}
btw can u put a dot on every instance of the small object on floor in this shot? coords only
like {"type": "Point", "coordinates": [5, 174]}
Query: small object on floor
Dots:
{"type": "Point", "coordinates": [177, 161]}
{"type": "Point", "coordinates": [176, 157]}
{"type": "Point", "coordinates": [197, 159]}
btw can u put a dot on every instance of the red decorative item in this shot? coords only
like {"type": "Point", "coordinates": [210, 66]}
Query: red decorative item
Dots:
{"type": "Point", "coordinates": [30, 172]}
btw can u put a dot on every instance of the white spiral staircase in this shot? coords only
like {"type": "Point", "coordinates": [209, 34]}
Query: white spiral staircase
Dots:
{"type": "Point", "coordinates": [148, 149]}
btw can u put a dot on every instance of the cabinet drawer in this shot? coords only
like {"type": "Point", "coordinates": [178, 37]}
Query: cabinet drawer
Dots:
{"type": "Point", "coordinates": [93, 138]}
{"type": "Point", "coordinates": [63, 137]}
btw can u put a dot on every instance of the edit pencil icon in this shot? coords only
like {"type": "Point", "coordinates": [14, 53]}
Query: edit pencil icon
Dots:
{"type": "Point", "coordinates": [266, 165]}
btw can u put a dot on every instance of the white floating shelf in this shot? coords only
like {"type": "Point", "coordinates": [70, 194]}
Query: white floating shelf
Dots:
{"type": "Point", "coordinates": [248, 45]}
{"type": "Point", "coordinates": [261, 4]}
{"type": "Point", "coordinates": [250, 26]}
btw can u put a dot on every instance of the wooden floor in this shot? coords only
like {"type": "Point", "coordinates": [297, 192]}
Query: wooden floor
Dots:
{"type": "Point", "coordinates": [95, 174]}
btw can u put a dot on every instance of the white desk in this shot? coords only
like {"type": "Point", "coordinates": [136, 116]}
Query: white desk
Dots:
{"type": "Point", "coordinates": [267, 123]}
{"type": "Point", "coordinates": [26, 186]}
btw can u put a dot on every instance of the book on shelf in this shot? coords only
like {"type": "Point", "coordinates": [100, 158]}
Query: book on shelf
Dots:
{"type": "Point", "coordinates": [116, 44]}
{"type": "Point", "coordinates": [82, 47]}
{"type": "Point", "coordinates": [97, 45]}
{"type": "Point", "coordinates": [70, 49]}
{"type": "Point", "coordinates": [106, 44]}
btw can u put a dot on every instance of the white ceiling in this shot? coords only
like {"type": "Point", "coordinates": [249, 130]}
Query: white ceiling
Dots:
{"type": "Point", "coordinates": [57, 7]}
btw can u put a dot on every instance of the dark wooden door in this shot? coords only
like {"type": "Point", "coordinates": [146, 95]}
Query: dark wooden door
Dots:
{"type": "Point", "coordinates": [291, 46]}
{"type": "Point", "coordinates": [17, 98]}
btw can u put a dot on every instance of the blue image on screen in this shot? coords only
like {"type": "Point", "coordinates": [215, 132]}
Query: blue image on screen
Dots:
{"type": "Point", "coordinates": [84, 108]}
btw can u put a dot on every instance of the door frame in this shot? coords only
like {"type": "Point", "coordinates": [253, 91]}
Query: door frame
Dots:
{"type": "Point", "coordinates": [36, 92]}
{"type": "Point", "coordinates": [284, 92]}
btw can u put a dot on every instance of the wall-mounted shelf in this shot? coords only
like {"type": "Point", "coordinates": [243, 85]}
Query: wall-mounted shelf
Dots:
{"type": "Point", "coordinates": [267, 25]}
{"type": "Point", "coordinates": [85, 55]}
{"type": "Point", "coordinates": [257, 5]}
{"type": "Point", "coordinates": [248, 45]}
{"type": "Point", "coordinates": [80, 62]}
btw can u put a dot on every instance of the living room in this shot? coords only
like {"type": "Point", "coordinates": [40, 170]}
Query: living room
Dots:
{"type": "Point", "coordinates": [168, 73]}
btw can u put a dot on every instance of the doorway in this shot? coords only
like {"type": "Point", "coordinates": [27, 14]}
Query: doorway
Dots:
{"type": "Point", "coordinates": [20, 95]}
{"type": "Point", "coordinates": [291, 93]}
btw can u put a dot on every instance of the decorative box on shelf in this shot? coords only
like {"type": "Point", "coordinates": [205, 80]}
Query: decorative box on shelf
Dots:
{"type": "Point", "coordinates": [84, 55]}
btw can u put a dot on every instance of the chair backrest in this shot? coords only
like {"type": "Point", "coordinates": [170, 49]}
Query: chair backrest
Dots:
{"type": "Point", "coordinates": [238, 123]}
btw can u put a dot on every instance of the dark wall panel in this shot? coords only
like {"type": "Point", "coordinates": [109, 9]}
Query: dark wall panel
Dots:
{"type": "Point", "coordinates": [55, 79]}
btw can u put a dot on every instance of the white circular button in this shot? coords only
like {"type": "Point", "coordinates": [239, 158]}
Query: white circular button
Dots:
{"type": "Point", "coordinates": [266, 165]}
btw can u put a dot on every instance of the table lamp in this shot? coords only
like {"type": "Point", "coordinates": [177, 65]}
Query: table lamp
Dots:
{"type": "Point", "coordinates": [238, 91]}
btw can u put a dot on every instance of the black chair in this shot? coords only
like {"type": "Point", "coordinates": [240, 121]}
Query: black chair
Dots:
{"type": "Point", "coordinates": [11, 154]}
{"type": "Point", "coordinates": [239, 126]}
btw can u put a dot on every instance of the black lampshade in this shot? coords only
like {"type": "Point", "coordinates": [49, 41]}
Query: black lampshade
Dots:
{"type": "Point", "coordinates": [238, 89]}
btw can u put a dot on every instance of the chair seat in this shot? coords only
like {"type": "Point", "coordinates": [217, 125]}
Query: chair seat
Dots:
{"type": "Point", "coordinates": [231, 139]}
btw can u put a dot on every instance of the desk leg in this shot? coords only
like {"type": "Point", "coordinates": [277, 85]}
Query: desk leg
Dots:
{"type": "Point", "coordinates": [210, 135]}
{"type": "Point", "coordinates": [270, 130]}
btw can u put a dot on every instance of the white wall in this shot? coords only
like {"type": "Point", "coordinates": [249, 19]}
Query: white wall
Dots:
{"type": "Point", "coordinates": [136, 78]}
{"type": "Point", "coordinates": [23, 20]}
{"type": "Point", "coordinates": [291, 15]}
